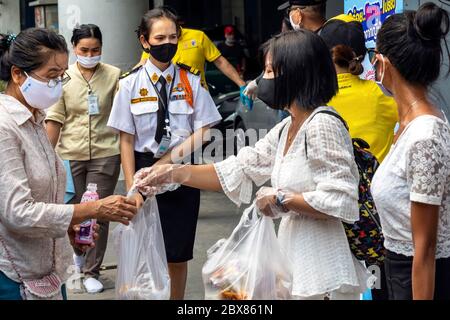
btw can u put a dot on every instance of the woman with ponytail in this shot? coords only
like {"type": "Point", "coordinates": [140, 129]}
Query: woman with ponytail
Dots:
{"type": "Point", "coordinates": [370, 115]}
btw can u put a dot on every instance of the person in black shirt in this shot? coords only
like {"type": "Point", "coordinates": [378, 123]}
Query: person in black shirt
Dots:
{"type": "Point", "coordinates": [232, 50]}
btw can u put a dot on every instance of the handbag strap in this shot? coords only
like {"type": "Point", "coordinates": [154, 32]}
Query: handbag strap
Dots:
{"type": "Point", "coordinates": [331, 113]}
{"type": "Point", "coordinates": [10, 259]}
{"type": "Point", "coordinates": [14, 266]}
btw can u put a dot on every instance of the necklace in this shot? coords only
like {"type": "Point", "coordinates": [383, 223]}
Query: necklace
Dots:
{"type": "Point", "coordinates": [403, 125]}
{"type": "Point", "coordinates": [413, 104]}
{"type": "Point", "coordinates": [293, 132]}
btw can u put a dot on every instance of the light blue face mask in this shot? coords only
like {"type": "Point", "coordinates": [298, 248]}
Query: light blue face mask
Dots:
{"type": "Point", "coordinates": [385, 90]}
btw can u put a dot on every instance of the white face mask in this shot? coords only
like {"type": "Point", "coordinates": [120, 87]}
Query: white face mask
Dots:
{"type": "Point", "coordinates": [296, 27]}
{"type": "Point", "coordinates": [89, 62]}
{"type": "Point", "coordinates": [230, 40]}
{"type": "Point", "coordinates": [380, 84]}
{"type": "Point", "coordinates": [39, 95]}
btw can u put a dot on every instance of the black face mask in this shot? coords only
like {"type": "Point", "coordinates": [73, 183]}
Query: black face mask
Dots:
{"type": "Point", "coordinates": [266, 92]}
{"type": "Point", "coordinates": [163, 53]}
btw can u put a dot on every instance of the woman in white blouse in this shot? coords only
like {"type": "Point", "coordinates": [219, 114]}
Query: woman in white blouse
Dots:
{"type": "Point", "coordinates": [314, 189]}
{"type": "Point", "coordinates": [411, 188]}
{"type": "Point", "coordinates": [35, 227]}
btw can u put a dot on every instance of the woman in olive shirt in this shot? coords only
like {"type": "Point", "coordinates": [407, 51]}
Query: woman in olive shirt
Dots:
{"type": "Point", "coordinates": [78, 122]}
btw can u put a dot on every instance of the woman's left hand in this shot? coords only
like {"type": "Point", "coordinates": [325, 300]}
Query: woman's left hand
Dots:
{"type": "Point", "coordinates": [73, 229]}
{"type": "Point", "coordinates": [266, 201]}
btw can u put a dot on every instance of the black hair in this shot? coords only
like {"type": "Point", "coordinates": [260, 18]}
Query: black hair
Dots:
{"type": "Point", "coordinates": [286, 24]}
{"type": "Point", "coordinates": [303, 68]}
{"type": "Point", "coordinates": [412, 43]}
{"type": "Point", "coordinates": [29, 51]}
{"type": "Point", "coordinates": [318, 11]}
{"type": "Point", "coordinates": [86, 31]}
{"type": "Point", "coordinates": [148, 19]}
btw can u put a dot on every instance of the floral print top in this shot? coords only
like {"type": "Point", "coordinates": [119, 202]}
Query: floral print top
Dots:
{"type": "Point", "coordinates": [417, 169]}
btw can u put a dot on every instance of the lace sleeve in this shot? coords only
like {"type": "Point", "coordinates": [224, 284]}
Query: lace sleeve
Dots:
{"type": "Point", "coordinates": [426, 171]}
{"type": "Point", "coordinates": [252, 164]}
{"type": "Point", "coordinates": [334, 171]}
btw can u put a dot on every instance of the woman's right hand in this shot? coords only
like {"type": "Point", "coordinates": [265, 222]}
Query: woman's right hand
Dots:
{"type": "Point", "coordinates": [116, 208]}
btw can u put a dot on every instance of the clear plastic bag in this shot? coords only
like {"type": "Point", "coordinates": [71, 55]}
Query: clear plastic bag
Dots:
{"type": "Point", "coordinates": [142, 272]}
{"type": "Point", "coordinates": [249, 265]}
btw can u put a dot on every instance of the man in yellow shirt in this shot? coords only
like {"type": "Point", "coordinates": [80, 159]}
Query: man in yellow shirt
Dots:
{"type": "Point", "coordinates": [194, 49]}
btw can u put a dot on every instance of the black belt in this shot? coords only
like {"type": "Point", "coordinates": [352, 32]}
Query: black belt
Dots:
{"type": "Point", "coordinates": [396, 256]}
{"type": "Point", "coordinates": [145, 156]}
{"type": "Point", "coordinates": [150, 157]}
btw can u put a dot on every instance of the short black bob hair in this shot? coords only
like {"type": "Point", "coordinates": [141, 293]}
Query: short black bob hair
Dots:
{"type": "Point", "coordinates": [303, 68]}
{"type": "Point", "coordinates": [86, 31]}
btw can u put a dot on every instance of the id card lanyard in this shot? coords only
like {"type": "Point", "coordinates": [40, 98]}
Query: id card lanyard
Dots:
{"type": "Point", "coordinates": [166, 139]}
{"type": "Point", "coordinates": [93, 105]}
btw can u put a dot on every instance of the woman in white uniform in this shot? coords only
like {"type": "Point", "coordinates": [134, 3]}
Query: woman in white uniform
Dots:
{"type": "Point", "coordinates": [159, 110]}
{"type": "Point", "coordinates": [309, 160]}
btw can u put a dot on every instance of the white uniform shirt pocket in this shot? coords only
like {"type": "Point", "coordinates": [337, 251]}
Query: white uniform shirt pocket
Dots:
{"type": "Point", "coordinates": [180, 107]}
{"type": "Point", "coordinates": [180, 116]}
{"type": "Point", "coordinates": [145, 116]}
{"type": "Point", "coordinates": [144, 107]}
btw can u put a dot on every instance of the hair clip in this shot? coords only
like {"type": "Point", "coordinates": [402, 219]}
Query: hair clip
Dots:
{"type": "Point", "coordinates": [10, 39]}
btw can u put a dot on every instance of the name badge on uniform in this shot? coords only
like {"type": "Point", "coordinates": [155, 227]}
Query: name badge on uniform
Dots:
{"type": "Point", "coordinates": [94, 108]}
{"type": "Point", "coordinates": [163, 147]}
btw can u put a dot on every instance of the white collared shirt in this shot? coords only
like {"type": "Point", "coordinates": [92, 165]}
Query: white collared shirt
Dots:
{"type": "Point", "coordinates": [135, 107]}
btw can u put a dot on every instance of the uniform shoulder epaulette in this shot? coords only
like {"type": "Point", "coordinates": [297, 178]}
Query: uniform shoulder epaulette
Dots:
{"type": "Point", "coordinates": [192, 70]}
{"type": "Point", "coordinates": [126, 74]}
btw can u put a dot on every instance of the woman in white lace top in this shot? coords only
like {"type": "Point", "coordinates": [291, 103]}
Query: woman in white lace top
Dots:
{"type": "Point", "coordinates": [314, 190]}
{"type": "Point", "coordinates": [411, 188]}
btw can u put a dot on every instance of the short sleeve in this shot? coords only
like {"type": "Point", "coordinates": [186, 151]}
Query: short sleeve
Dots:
{"type": "Point", "coordinates": [333, 168]}
{"type": "Point", "coordinates": [252, 165]}
{"type": "Point", "coordinates": [210, 50]}
{"type": "Point", "coordinates": [426, 171]}
{"type": "Point", "coordinates": [121, 118]}
{"type": "Point", "coordinates": [57, 112]}
{"type": "Point", "coordinates": [205, 110]}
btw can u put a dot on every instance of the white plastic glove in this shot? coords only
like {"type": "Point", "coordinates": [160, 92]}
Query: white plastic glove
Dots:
{"type": "Point", "coordinates": [251, 90]}
{"type": "Point", "coordinates": [266, 201]}
{"type": "Point", "coordinates": [159, 179]}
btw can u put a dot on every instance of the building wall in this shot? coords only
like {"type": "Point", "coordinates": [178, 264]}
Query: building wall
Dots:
{"type": "Point", "coordinates": [10, 16]}
{"type": "Point", "coordinates": [335, 8]}
{"type": "Point", "coordinates": [118, 19]}
{"type": "Point", "coordinates": [233, 12]}
{"type": "Point", "coordinates": [439, 93]}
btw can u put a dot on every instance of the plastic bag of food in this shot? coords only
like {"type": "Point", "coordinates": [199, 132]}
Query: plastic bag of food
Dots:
{"type": "Point", "coordinates": [142, 272]}
{"type": "Point", "coordinates": [249, 265]}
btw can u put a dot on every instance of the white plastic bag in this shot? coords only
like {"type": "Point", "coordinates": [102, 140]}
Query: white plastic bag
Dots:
{"type": "Point", "coordinates": [142, 272]}
{"type": "Point", "coordinates": [249, 265]}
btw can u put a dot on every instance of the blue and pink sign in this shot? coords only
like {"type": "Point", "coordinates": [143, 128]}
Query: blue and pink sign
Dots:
{"type": "Point", "coordinates": [372, 15]}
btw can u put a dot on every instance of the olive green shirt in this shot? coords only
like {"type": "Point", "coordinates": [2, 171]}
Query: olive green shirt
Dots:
{"type": "Point", "coordinates": [84, 136]}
